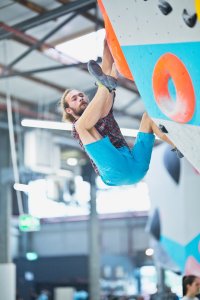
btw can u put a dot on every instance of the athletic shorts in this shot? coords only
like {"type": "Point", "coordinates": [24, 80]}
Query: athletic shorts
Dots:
{"type": "Point", "coordinates": [122, 166]}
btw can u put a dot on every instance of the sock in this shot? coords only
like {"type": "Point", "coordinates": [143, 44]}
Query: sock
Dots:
{"type": "Point", "coordinates": [99, 84]}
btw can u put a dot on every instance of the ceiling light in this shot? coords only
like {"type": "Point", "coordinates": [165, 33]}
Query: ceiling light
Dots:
{"type": "Point", "coordinates": [65, 126]}
{"type": "Point", "coordinates": [21, 187]}
{"type": "Point", "coordinates": [31, 256]}
{"type": "Point", "coordinates": [128, 132]}
{"type": "Point", "coordinates": [149, 252]}
{"type": "Point", "coordinates": [72, 161]}
{"type": "Point", "coordinates": [46, 124]}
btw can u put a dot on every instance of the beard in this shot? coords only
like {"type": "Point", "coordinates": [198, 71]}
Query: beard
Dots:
{"type": "Point", "coordinates": [78, 112]}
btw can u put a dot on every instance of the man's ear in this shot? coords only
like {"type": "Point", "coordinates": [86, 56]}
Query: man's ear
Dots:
{"type": "Point", "coordinates": [68, 110]}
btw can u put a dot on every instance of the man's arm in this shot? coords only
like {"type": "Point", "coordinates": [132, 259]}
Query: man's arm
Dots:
{"type": "Point", "coordinates": [107, 59]}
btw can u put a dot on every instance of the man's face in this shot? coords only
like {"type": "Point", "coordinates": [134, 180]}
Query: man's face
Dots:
{"type": "Point", "coordinates": [77, 102]}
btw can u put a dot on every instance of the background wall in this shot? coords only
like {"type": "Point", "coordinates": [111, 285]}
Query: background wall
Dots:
{"type": "Point", "coordinates": [178, 204]}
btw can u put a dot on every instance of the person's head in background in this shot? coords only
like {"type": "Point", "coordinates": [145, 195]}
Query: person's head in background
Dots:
{"type": "Point", "coordinates": [190, 285]}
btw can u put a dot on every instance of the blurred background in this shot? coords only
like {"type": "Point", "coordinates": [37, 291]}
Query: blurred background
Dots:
{"type": "Point", "coordinates": [68, 235]}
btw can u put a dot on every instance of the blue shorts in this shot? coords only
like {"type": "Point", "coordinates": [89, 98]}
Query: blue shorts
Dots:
{"type": "Point", "coordinates": [122, 166]}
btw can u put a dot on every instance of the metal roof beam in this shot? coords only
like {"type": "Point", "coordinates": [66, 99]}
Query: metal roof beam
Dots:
{"type": "Point", "coordinates": [29, 40]}
{"type": "Point", "coordinates": [32, 6]}
{"type": "Point", "coordinates": [79, 6]}
{"type": "Point", "coordinates": [40, 42]}
{"type": "Point", "coordinates": [87, 15]}
{"type": "Point", "coordinates": [34, 79]}
{"type": "Point", "coordinates": [29, 72]}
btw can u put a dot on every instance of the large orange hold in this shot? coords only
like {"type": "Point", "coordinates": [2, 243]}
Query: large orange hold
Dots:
{"type": "Point", "coordinates": [114, 45]}
{"type": "Point", "coordinates": [169, 66]}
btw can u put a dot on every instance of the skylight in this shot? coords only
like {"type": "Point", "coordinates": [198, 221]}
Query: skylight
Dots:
{"type": "Point", "coordinates": [84, 48]}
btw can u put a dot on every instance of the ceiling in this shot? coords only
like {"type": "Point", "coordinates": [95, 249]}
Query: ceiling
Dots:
{"type": "Point", "coordinates": [34, 74]}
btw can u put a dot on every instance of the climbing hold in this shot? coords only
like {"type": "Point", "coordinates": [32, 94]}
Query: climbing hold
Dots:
{"type": "Point", "coordinates": [164, 7]}
{"type": "Point", "coordinates": [163, 128]}
{"type": "Point", "coordinates": [170, 67]}
{"type": "Point", "coordinates": [190, 20]}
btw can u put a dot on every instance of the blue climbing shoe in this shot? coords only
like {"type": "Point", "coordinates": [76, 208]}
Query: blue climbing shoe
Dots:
{"type": "Point", "coordinates": [108, 81]}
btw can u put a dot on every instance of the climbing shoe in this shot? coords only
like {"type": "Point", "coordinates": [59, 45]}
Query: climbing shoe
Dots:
{"type": "Point", "coordinates": [108, 81]}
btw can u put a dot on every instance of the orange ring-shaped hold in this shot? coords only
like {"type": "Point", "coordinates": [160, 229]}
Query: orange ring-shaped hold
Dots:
{"type": "Point", "coordinates": [182, 108]}
{"type": "Point", "coordinates": [117, 53]}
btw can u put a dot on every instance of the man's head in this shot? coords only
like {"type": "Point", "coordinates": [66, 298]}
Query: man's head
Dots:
{"type": "Point", "coordinates": [73, 103]}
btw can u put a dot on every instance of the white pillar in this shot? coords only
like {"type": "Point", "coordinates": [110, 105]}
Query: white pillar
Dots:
{"type": "Point", "coordinates": [64, 293]}
{"type": "Point", "coordinates": [94, 247]}
{"type": "Point", "coordinates": [7, 281]}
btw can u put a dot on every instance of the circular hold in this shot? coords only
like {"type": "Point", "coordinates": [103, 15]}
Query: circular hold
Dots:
{"type": "Point", "coordinates": [117, 53]}
{"type": "Point", "coordinates": [170, 67]}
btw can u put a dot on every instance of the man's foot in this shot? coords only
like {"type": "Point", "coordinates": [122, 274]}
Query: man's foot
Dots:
{"type": "Point", "coordinates": [178, 153]}
{"type": "Point", "coordinates": [108, 81]}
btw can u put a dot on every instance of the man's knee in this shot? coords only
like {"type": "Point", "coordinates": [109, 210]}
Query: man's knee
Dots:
{"type": "Point", "coordinates": [146, 123]}
{"type": "Point", "coordinates": [80, 128]}
{"type": "Point", "coordinates": [87, 136]}
{"type": "Point", "coordinates": [146, 119]}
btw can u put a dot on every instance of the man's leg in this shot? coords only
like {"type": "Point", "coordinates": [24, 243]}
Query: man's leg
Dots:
{"type": "Point", "coordinates": [88, 136]}
{"type": "Point", "coordinates": [98, 108]}
{"type": "Point", "coordinates": [101, 78]}
{"type": "Point", "coordinates": [107, 59]}
{"type": "Point", "coordinates": [147, 125]}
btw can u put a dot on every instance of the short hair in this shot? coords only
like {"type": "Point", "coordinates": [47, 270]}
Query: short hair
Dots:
{"type": "Point", "coordinates": [64, 105]}
{"type": "Point", "coordinates": [187, 280]}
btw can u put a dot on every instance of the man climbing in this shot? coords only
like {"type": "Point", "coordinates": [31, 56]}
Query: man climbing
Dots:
{"type": "Point", "coordinates": [98, 133]}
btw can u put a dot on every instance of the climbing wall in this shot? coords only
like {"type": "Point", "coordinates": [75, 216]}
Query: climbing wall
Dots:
{"type": "Point", "coordinates": [174, 220]}
{"type": "Point", "coordinates": [160, 41]}
{"type": "Point", "coordinates": [157, 43]}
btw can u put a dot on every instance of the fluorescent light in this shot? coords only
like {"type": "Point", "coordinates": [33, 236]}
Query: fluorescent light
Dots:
{"type": "Point", "coordinates": [149, 252]}
{"type": "Point", "coordinates": [46, 124]}
{"type": "Point", "coordinates": [31, 256]}
{"type": "Point", "coordinates": [67, 126]}
{"type": "Point", "coordinates": [21, 187]}
{"type": "Point", "coordinates": [72, 161]}
{"type": "Point", "coordinates": [129, 132]}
